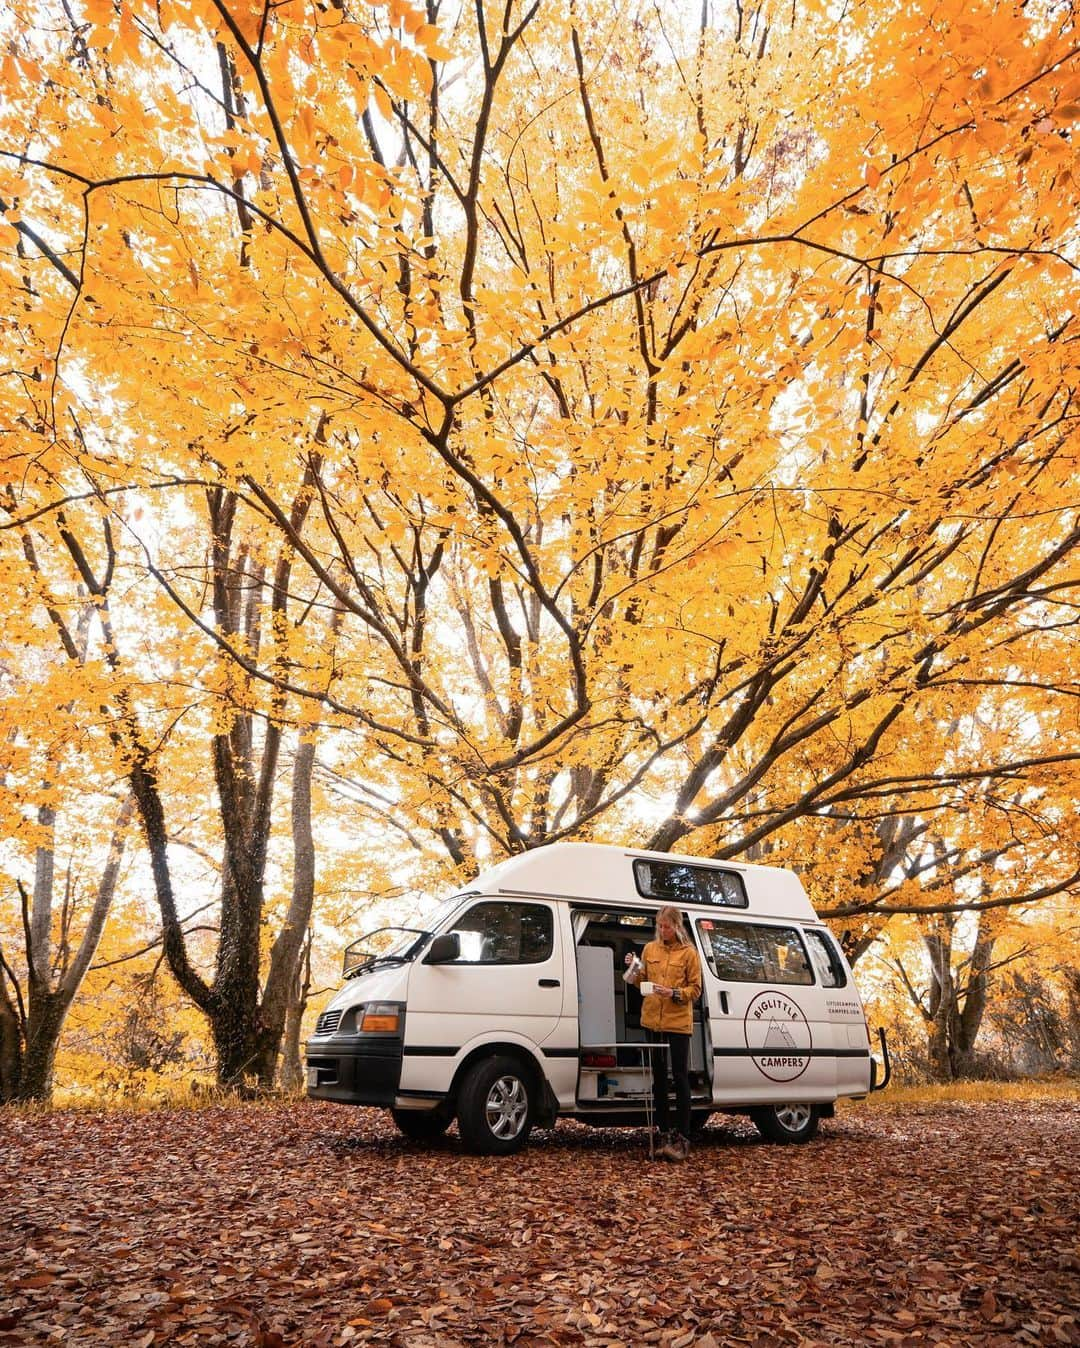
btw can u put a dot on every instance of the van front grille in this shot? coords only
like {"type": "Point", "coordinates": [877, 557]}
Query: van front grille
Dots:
{"type": "Point", "coordinates": [328, 1022]}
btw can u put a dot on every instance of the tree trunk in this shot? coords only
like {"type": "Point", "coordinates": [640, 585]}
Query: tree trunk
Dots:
{"type": "Point", "coordinates": [291, 1071]}
{"type": "Point", "coordinates": [1072, 1014]}
{"type": "Point", "coordinates": [969, 1019]}
{"type": "Point", "coordinates": [26, 1065]}
{"type": "Point", "coordinates": [942, 1002]}
{"type": "Point", "coordinates": [281, 991]}
{"type": "Point", "coordinates": [248, 1031]}
{"type": "Point", "coordinates": [152, 814]}
{"type": "Point", "coordinates": [956, 1007]}
{"type": "Point", "coordinates": [47, 1011]}
{"type": "Point", "coordinates": [234, 1027]}
{"type": "Point", "coordinates": [246, 1028]}
{"type": "Point", "coordinates": [11, 1044]}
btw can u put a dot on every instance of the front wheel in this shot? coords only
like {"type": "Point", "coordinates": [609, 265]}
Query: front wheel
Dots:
{"type": "Point", "coordinates": [495, 1106]}
{"type": "Point", "coordinates": [786, 1123]}
{"type": "Point", "coordinates": [422, 1125]}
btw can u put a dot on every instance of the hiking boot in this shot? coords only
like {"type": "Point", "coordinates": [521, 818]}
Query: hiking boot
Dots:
{"type": "Point", "coordinates": [658, 1140]}
{"type": "Point", "coordinates": [677, 1148]}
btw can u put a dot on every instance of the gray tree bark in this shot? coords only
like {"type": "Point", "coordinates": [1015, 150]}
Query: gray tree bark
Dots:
{"type": "Point", "coordinates": [291, 1071]}
{"type": "Point", "coordinates": [282, 989]}
{"type": "Point", "coordinates": [957, 1000]}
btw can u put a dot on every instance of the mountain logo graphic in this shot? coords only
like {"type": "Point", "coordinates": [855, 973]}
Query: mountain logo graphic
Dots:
{"type": "Point", "coordinates": [779, 1038]}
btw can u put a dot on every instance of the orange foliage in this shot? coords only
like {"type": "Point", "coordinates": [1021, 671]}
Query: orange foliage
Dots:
{"type": "Point", "coordinates": [683, 417]}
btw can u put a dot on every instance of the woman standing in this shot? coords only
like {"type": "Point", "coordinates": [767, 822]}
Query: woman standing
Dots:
{"type": "Point", "coordinates": [670, 963]}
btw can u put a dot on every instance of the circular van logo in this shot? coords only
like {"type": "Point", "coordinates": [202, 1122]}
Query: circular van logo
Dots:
{"type": "Point", "coordinates": [778, 1036]}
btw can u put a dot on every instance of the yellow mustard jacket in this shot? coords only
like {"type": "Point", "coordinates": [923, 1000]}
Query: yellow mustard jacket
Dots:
{"type": "Point", "coordinates": [675, 966]}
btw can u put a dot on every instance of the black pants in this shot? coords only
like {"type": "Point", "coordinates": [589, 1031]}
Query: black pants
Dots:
{"type": "Point", "coordinates": [679, 1055]}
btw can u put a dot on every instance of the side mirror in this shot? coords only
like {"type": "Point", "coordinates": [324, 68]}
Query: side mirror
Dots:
{"type": "Point", "coordinates": [444, 949]}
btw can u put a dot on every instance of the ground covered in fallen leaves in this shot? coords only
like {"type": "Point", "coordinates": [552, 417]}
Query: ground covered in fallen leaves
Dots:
{"type": "Point", "coordinates": [271, 1225]}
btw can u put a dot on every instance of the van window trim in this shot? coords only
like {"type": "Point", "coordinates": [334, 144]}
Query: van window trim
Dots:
{"type": "Point", "coordinates": [616, 906]}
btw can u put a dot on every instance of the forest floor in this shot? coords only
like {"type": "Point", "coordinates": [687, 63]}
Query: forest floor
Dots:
{"type": "Point", "coordinates": [302, 1223]}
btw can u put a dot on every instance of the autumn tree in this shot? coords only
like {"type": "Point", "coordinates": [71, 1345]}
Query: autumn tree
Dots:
{"type": "Point", "coordinates": [59, 873]}
{"type": "Point", "coordinates": [239, 739]}
{"type": "Point", "coordinates": [1035, 1015]}
{"type": "Point", "coordinates": [247, 1015]}
{"type": "Point", "coordinates": [682, 406]}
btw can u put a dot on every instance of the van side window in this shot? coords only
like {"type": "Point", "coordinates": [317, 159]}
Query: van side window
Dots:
{"type": "Point", "coordinates": [827, 963]}
{"type": "Point", "coordinates": [746, 952]}
{"type": "Point", "coordinates": [506, 933]}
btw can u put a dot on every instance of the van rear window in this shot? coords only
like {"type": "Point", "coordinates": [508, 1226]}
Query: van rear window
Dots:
{"type": "Point", "coordinates": [749, 952]}
{"type": "Point", "coordinates": [678, 883]}
{"type": "Point", "coordinates": [827, 961]}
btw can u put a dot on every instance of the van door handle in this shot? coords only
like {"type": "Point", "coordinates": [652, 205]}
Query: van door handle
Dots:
{"type": "Point", "coordinates": [723, 1002]}
{"type": "Point", "coordinates": [549, 982]}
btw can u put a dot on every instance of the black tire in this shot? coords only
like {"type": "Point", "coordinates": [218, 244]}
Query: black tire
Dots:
{"type": "Point", "coordinates": [786, 1123]}
{"type": "Point", "coordinates": [422, 1125]}
{"type": "Point", "coordinates": [496, 1105]}
{"type": "Point", "coordinates": [698, 1119]}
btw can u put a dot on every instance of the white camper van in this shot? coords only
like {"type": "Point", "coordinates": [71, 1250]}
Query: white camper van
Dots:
{"type": "Point", "coordinates": [509, 1008]}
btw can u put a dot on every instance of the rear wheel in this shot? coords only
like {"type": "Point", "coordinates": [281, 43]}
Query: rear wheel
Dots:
{"type": "Point", "coordinates": [786, 1123]}
{"type": "Point", "coordinates": [496, 1106]}
{"type": "Point", "coordinates": [422, 1125]}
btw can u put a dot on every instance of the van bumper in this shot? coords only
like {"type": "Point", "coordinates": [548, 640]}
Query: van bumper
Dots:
{"type": "Point", "coordinates": [354, 1071]}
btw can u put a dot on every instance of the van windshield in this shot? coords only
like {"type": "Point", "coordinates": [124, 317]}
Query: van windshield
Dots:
{"type": "Point", "coordinates": [394, 945]}
{"type": "Point", "coordinates": [385, 945]}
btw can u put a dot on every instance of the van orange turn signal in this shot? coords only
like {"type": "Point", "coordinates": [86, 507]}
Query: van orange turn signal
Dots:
{"type": "Point", "coordinates": [380, 1019]}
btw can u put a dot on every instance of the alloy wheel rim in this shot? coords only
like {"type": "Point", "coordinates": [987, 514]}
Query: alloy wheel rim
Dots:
{"type": "Point", "coordinates": [506, 1108]}
{"type": "Point", "coordinates": [793, 1117]}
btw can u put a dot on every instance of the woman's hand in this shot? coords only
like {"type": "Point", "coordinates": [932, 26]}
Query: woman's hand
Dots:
{"type": "Point", "coordinates": [661, 991]}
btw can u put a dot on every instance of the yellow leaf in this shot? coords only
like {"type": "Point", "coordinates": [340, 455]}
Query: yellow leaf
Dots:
{"type": "Point", "coordinates": [382, 102]}
{"type": "Point", "coordinates": [305, 121]}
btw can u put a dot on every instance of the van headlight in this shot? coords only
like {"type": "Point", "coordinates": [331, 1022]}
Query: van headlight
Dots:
{"type": "Point", "coordinates": [378, 1018]}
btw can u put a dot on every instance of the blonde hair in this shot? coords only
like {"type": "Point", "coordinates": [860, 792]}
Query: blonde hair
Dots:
{"type": "Point", "coordinates": [674, 916]}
